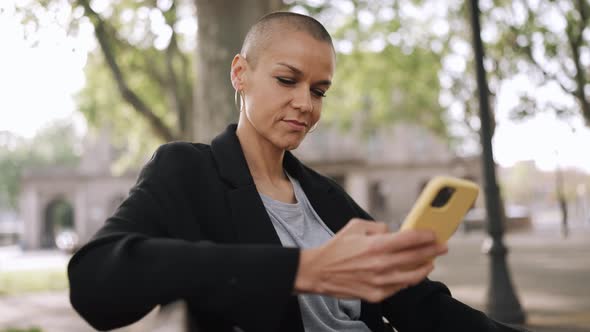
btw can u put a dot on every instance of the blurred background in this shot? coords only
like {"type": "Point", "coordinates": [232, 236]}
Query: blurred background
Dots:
{"type": "Point", "coordinates": [89, 89]}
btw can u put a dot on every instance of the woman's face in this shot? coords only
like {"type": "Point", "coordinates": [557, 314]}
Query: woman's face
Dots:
{"type": "Point", "coordinates": [283, 94]}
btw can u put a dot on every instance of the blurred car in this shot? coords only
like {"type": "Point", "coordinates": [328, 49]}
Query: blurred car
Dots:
{"type": "Point", "coordinates": [67, 240]}
{"type": "Point", "coordinates": [518, 218]}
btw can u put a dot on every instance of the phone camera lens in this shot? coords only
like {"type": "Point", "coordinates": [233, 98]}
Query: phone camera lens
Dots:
{"type": "Point", "coordinates": [442, 197]}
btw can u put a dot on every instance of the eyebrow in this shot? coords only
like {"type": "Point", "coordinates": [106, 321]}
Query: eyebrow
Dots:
{"type": "Point", "coordinates": [298, 72]}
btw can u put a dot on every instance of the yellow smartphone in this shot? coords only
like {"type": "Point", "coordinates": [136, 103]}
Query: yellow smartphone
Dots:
{"type": "Point", "coordinates": [441, 206]}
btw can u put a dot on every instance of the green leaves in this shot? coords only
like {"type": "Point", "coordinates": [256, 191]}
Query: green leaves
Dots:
{"type": "Point", "coordinates": [386, 87]}
{"type": "Point", "coordinates": [548, 47]}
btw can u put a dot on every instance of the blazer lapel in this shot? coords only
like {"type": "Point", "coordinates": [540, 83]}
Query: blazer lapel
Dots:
{"type": "Point", "coordinates": [249, 218]}
{"type": "Point", "coordinates": [248, 215]}
{"type": "Point", "coordinates": [245, 201]}
{"type": "Point", "coordinates": [252, 223]}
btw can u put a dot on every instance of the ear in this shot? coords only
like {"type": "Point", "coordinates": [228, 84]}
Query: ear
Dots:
{"type": "Point", "coordinates": [237, 72]}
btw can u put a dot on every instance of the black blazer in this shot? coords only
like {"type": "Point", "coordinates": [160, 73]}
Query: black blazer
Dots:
{"type": "Point", "coordinates": [194, 228]}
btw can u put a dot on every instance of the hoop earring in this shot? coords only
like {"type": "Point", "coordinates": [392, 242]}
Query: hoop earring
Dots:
{"type": "Point", "coordinates": [313, 128]}
{"type": "Point", "coordinates": [238, 101]}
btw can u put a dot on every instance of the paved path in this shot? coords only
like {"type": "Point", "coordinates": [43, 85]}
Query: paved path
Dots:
{"type": "Point", "coordinates": [550, 274]}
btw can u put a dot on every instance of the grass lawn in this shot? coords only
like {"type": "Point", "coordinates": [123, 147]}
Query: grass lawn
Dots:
{"type": "Point", "coordinates": [28, 281]}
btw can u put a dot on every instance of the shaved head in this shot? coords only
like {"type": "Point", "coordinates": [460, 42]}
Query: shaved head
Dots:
{"type": "Point", "coordinates": [260, 35]}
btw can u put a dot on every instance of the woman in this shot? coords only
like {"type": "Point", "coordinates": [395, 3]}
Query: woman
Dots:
{"type": "Point", "coordinates": [251, 238]}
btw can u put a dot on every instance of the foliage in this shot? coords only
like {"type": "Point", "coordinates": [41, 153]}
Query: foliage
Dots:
{"type": "Point", "coordinates": [380, 88]}
{"type": "Point", "coordinates": [28, 281]}
{"type": "Point", "coordinates": [143, 63]}
{"type": "Point", "coordinates": [549, 43]}
{"type": "Point", "coordinates": [55, 145]}
{"type": "Point", "coordinates": [141, 49]}
{"type": "Point", "coordinates": [32, 329]}
{"type": "Point", "coordinates": [142, 40]}
{"type": "Point", "coordinates": [545, 40]}
{"type": "Point", "coordinates": [386, 71]}
{"type": "Point", "coordinates": [103, 107]}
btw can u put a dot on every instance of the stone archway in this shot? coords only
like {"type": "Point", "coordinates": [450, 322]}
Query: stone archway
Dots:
{"type": "Point", "coordinates": [58, 216]}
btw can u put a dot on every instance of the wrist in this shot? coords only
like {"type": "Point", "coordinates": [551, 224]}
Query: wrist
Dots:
{"type": "Point", "coordinates": [305, 280]}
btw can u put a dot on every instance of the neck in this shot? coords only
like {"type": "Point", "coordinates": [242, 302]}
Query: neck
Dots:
{"type": "Point", "coordinates": [264, 159]}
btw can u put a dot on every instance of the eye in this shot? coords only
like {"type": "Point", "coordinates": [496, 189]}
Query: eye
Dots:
{"type": "Point", "coordinates": [318, 93]}
{"type": "Point", "coordinates": [285, 81]}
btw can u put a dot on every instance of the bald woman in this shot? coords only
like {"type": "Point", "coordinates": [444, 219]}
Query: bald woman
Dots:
{"type": "Point", "coordinates": [252, 239]}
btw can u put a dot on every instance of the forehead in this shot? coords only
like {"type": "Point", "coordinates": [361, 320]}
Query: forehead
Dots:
{"type": "Point", "coordinates": [299, 49]}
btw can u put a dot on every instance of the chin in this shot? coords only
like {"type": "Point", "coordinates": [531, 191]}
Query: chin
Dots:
{"type": "Point", "coordinates": [292, 147]}
{"type": "Point", "coordinates": [289, 144]}
{"type": "Point", "coordinates": [288, 141]}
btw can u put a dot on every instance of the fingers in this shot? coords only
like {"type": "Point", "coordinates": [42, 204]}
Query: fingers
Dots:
{"type": "Point", "coordinates": [404, 260]}
{"type": "Point", "coordinates": [384, 251]}
{"type": "Point", "coordinates": [375, 287]}
{"type": "Point", "coordinates": [376, 227]}
{"type": "Point", "coordinates": [402, 277]}
{"type": "Point", "coordinates": [365, 227]}
{"type": "Point", "coordinates": [365, 260]}
{"type": "Point", "coordinates": [403, 240]}
{"type": "Point", "coordinates": [389, 241]}
{"type": "Point", "coordinates": [352, 288]}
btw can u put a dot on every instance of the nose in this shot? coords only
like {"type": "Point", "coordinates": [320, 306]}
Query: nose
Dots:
{"type": "Point", "coordinates": [302, 100]}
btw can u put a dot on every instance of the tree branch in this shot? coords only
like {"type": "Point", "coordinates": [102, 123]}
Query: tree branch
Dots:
{"type": "Point", "coordinates": [153, 72]}
{"type": "Point", "coordinates": [175, 95]}
{"type": "Point", "coordinates": [575, 43]}
{"type": "Point", "coordinates": [580, 80]}
{"type": "Point", "coordinates": [546, 74]}
{"type": "Point", "coordinates": [159, 127]}
{"type": "Point", "coordinates": [529, 54]}
{"type": "Point", "coordinates": [583, 19]}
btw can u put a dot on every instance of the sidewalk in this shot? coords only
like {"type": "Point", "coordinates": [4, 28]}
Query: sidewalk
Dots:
{"type": "Point", "coordinates": [550, 275]}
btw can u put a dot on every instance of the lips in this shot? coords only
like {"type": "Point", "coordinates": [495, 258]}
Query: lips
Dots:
{"type": "Point", "coordinates": [296, 124]}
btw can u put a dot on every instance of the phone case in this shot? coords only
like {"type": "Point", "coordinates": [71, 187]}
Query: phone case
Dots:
{"type": "Point", "coordinates": [445, 219]}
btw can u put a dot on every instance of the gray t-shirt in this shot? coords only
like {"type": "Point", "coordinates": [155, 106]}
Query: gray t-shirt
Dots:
{"type": "Point", "coordinates": [298, 225]}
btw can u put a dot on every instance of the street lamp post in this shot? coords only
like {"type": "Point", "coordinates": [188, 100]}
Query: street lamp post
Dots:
{"type": "Point", "coordinates": [502, 302]}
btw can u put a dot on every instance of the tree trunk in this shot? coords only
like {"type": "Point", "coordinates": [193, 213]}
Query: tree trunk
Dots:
{"type": "Point", "coordinates": [222, 25]}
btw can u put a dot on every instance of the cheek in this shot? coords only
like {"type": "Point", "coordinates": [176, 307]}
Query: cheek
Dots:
{"type": "Point", "coordinates": [263, 108]}
{"type": "Point", "coordinates": [317, 110]}
{"type": "Point", "coordinates": [269, 102]}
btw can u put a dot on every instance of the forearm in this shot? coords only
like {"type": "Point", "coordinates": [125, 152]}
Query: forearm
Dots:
{"type": "Point", "coordinates": [116, 280]}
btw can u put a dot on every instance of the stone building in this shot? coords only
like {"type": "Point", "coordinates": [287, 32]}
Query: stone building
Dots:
{"type": "Point", "coordinates": [386, 172]}
{"type": "Point", "coordinates": [88, 193]}
{"type": "Point", "coordinates": [383, 173]}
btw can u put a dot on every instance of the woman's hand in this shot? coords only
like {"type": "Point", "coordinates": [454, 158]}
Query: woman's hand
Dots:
{"type": "Point", "coordinates": [364, 260]}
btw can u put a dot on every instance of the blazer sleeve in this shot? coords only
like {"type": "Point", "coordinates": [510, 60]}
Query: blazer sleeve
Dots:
{"type": "Point", "coordinates": [131, 265]}
{"type": "Point", "coordinates": [429, 307]}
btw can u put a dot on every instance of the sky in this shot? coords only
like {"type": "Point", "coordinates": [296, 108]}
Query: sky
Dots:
{"type": "Point", "coordinates": [37, 85]}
